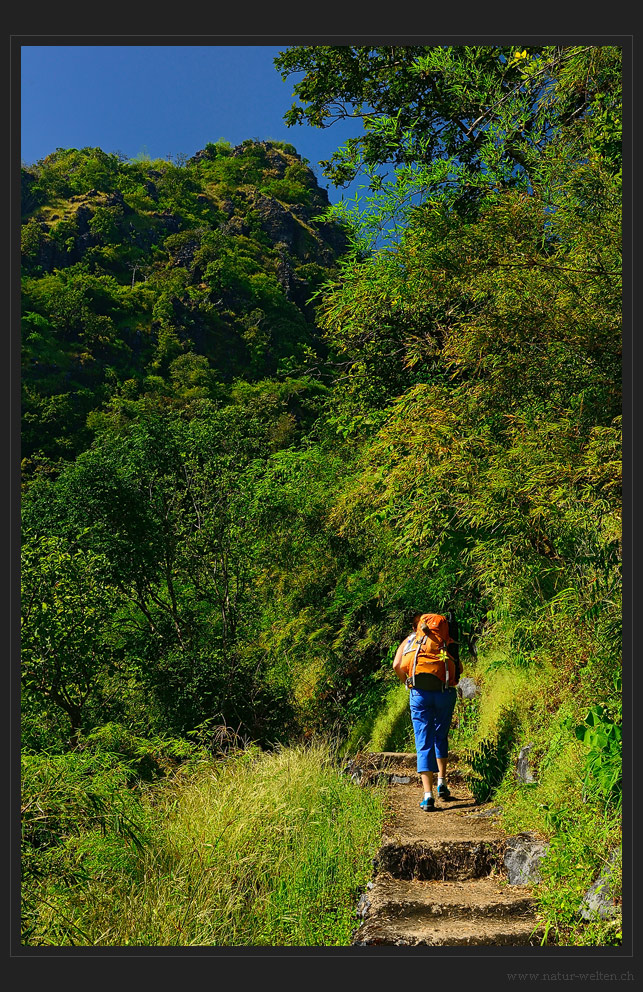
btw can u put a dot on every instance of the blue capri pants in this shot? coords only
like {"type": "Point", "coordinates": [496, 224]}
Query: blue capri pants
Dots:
{"type": "Point", "coordinates": [431, 713]}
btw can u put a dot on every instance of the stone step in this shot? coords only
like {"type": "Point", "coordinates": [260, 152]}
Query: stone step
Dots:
{"type": "Point", "coordinates": [400, 759]}
{"type": "Point", "coordinates": [435, 932]}
{"type": "Point", "coordinates": [403, 776]}
{"type": "Point", "coordinates": [389, 898]}
{"type": "Point", "coordinates": [454, 860]}
{"type": "Point", "coordinates": [439, 876]}
{"type": "Point", "coordinates": [393, 768]}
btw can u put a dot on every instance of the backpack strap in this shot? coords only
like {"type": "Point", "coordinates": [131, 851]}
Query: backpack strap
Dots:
{"type": "Point", "coordinates": [415, 659]}
{"type": "Point", "coordinates": [408, 644]}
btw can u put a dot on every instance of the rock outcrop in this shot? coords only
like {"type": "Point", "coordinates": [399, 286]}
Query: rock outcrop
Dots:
{"type": "Point", "coordinates": [522, 856]}
{"type": "Point", "coordinates": [603, 899]}
{"type": "Point", "coordinates": [524, 770]}
{"type": "Point", "coordinates": [468, 687]}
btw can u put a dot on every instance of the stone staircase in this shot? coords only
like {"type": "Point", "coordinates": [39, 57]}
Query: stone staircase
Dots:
{"type": "Point", "coordinates": [439, 877]}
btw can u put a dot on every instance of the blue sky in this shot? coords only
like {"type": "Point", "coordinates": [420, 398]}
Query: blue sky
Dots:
{"type": "Point", "coordinates": [163, 100]}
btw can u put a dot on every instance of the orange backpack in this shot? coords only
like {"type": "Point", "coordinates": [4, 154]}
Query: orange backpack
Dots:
{"type": "Point", "coordinates": [426, 650]}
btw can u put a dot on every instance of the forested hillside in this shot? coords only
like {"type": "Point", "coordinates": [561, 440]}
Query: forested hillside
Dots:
{"type": "Point", "coordinates": [258, 431]}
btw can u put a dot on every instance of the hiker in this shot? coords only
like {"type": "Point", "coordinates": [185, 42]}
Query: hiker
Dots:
{"type": "Point", "coordinates": [428, 662]}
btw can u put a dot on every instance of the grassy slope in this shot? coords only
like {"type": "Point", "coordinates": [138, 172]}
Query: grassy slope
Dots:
{"type": "Point", "coordinates": [258, 849]}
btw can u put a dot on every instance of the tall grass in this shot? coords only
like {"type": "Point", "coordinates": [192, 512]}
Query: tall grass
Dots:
{"type": "Point", "coordinates": [258, 849]}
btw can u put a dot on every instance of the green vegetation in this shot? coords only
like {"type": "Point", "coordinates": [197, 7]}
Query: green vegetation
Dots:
{"type": "Point", "coordinates": [253, 849]}
{"type": "Point", "coordinates": [135, 272]}
{"type": "Point", "coordinates": [575, 798]}
{"type": "Point", "coordinates": [258, 431]}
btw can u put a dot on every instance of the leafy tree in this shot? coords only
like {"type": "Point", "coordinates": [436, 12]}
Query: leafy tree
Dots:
{"type": "Point", "coordinates": [447, 90]}
{"type": "Point", "coordinates": [454, 121]}
{"type": "Point", "coordinates": [163, 501]}
{"type": "Point", "coordinates": [68, 609]}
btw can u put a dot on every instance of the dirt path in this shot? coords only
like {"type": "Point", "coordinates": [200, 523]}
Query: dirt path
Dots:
{"type": "Point", "coordinates": [439, 876]}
